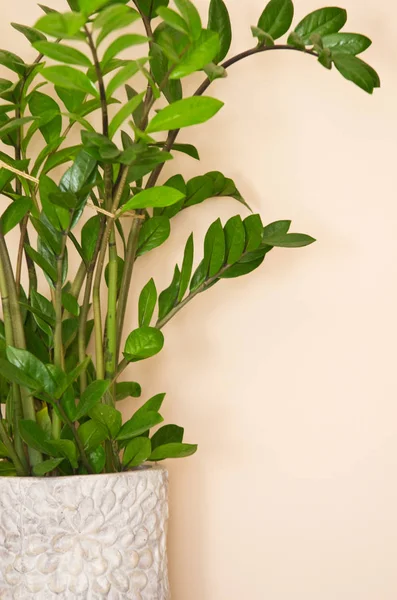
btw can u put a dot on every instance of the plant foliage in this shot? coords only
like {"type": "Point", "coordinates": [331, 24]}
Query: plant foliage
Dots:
{"type": "Point", "coordinates": [59, 405]}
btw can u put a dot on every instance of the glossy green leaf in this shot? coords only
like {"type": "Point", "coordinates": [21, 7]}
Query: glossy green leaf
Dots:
{"type": "Point", "coordinates": [34, 436]}
{"type": "Point", "coordinates": [122, 43]}
{"type": "Point", "coordinates": [235, 239]}
{"type": "Point", "coordinates": [90, 397]}
{"type": "Point", "coordinates": [12, 125]}
{"type": "Point", "coordinates": [92, 434]}
{"type": "Point", "coordinates": [123, 75]}
{"type": "Point", "coordinates": [70, 304]}
{"type": "Point", "coordinates": [276, 228]}
{"type": "Point", "coordinates": [147, 303]}
{"type": "Point", "coordinates": [136, 452]}
{"type": "Point", "coordinates": [254, 232]}
{"type": "Point", "coordinates": [107, 416]}
{"type": "Point", "coordinates": [346, 43]}
{"type": "Point", "coordinates": [65, 448]}
{"type": "Point", "coordinates": [149, 7]}
{"type": "Point", "coordinates": [31, 34]}
{"type": "Point", "coordinates": [69, 78]}
{"type": "Point", "coordinates": [62, 53]}
{"type": "Point", "coordinates": [62, 25]}
{"type": "Point", "coordinates": [173, 450]}
{"type": "Point", "coordinates": [47, 267]}
{"type": "Point", "coordinates": [277, 17]}
{"type": "Point", "coordinates": [32, 367]}
{"type": "Point", "coordinates": [75, 373]}
{"type": "Point", "coordinates": [138, 424]}
{"type": "Point", "coordinates": [187, 266]}
{"type": "Point", "coordinates": [89, 237]}
{"type": "Point", "coordinates": [191, 15]}
{"type": "Point", "coordinates": [88, 7]}
{"type": "Point", "coordinates": [143, 343]}
{"type": "Point", "coordinates": [242, 268]}
{"type": "Point", "coordinates": [356, 70]}
{"type": "Point", "coordinates": [153, 233]}
{"type": "Point", "coordinates": [124, 113]}
{"type": "Point", "coordinates": [153, 404]}
{"type": "Point", "coordinates": [172, 18]}
{"type": "Point", "coordinates": [288, 240]}
{"type": "Point", "coordinates": [184, 113]}
{"type": "Point", "coordinates": [168, 434]}
{"type": "Point", "coordinates": [322, 22]}
{"type": "Point", "coordinates": [16, 375]}
{"type": "Point", "coordinates": [14, 213]}
{"type": "Point", "coordinates": [12, 62]}
{"type": "Point", "coordinates": [113, 18]}
{"type": "Point", "coordinates": [97, 459]}
{"type": "Point", "coordinates": [46, 466]}
{"type": "Point", "coordinates": [169, 297]}
{"type": "Point", "coordinates": [214, 249]}
{"type": "Point", "coordinates": [202, 52]}
{"type": "Point", "coordinates": [219, 21]}
{"type": "Point", "coordinates": [40, 104]}
{"type": "Point", "coordinates": [153, 197]}
{"type": "Point", "coordinates": [127, 389]}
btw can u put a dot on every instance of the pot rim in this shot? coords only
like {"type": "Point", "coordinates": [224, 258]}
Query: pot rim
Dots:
{"type": "Point", "coordinates": [142, 469]}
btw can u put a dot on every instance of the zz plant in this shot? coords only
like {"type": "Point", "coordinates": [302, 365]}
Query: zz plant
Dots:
{"type": "Point", "coordinates": [59, 414]}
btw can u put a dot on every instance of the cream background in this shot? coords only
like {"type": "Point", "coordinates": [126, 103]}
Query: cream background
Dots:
{"type": "Point", "coordinates": [286, 378]}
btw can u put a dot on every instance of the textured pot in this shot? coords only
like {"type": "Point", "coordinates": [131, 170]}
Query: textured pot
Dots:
{"type": "Point", "coordinates": [90, 537]}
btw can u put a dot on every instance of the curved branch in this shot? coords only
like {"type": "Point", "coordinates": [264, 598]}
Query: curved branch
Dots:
{"type": "Point", "coordinates": [172, 135]}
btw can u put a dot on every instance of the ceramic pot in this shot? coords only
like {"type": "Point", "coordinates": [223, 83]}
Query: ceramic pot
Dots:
{"type": "Point", "coordinates": [89, 537]}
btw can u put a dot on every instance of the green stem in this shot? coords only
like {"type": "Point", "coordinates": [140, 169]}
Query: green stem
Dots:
{"type": "Point", "coordinates": [58, 343]}
{"type": "Point", "coordinates": [78, 280]}
{"type": "Point", "coordinates": [21, 469]}
{"type": "Point", "coordinates": [79, 443]}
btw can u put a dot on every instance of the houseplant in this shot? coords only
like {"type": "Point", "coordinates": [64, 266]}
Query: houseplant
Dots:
{"type": "Point", "coordinates": [81, 533]}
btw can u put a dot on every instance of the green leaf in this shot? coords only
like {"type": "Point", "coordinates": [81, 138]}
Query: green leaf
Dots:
{"type": "Point", "coordinates": [14, 213]}
{"type": "Point", "coordinates": [147, 303]}
{"type": "Point", "coordinates": [202, 52]}
{"type": "Point", "coordinates": [322, 22]}
{"type": "Point", "coordinates": [346, 43]}
{"type": "Point", "coordinates": [12, 125]}
{"type": "Point", "coordinates": [91, 6]}
{"type": "Point", "coordinates": [242, 268]}
{"type": "Point", "coordinates": [126, 389]}
{"type": "Point", "coordinates": [169, 297]}
{"type": "Point", "coordinates": [34, 436]}
{"type": "Point", "coordinates": [168, 434]}
{"type": "Point", "coordinates": [112, 18]}
{"type": "Point", "coordinates": [75, 373]}
{"type": "Point", "coordinates": [44, 420]}
{"type": "Point", "coordinates": [62, 53]}
{"type": "Point", "coordinates": [65, 448]}
{"type": "Point", "coordinates": [188, 149]}
{"type": "Point", "coordinates": [31, 34]}
{"type": "Point", "coordinates": [58, 25]}
{"type": "Point", "coordinates": [12, 62]}
{"type": "Point", "coordinates": [219, 21]}
{"type": "Point", "coordinates": [143, 343]}
{"type": "Point", "coordinates": [41, 262]}
{"type": "Point", "coordinates": [277, 17]}
{"type": "Point", "coordinates": [40, 104]}
{"type": "Point", "coordinates": [72, 99]}
{"type": "Point", "coordinates": [92, 434]}
{"type": "Point", "coordinates": [138, 424]}
{"type": "Point", "coordinates": [97, 459]}
{"type": "Point", "coordinates": [70, 303]}
{"type": "Point", "coordinates": [187, 266]}
{"type": "Point", "coordinates": [149, 7]}
{"type": "Point", "coordinates": [90, 397]}
{"type": "Point", "coordinates": [288, 240]}
{"type": "Point", "coordinates": [191, 15]}
{"type": "Point", "coordinates": [154, 232]}
{"type": "Point", "coordinates": [214, 249]}
{"type": "Point", "coordinates": [173, 451]}
{"type": "Point", "coordinates": [153, 404]}
{"type": "Point", "coordinates": [235, 239]}
{"type": "Point", "coordinates": [120, 44]}
{"type": "Point", "coordinates": [136, 452]}
{"type": "Point", "coordinates": [153, 197]}
{"type": "Point", "coordinates": [356, 70]}
{"type": "Point", "coordinates": [275, 228]}
{"type": "Point", "coordinates": [254, 232]}
{"type": "Point", "coordinates": [107, 416]}
{"type": "Point", "coordinates": [46, 466]}
{"type": "Point", "coordinates": [89, 237]}
{"type": "Point", "coordinates": [126, 111]}
{"type": "Point", "coordinates": [184, 113]}
{"type": "Point", "coordinates": [7, 469]}
{"type": "Point", "coordinates": [32, 367]}
{"type": "Point", "coordinates": [123, 75]}
{"type": "Point", "coordinates": [3, 451]}
{"type": "Point", "coordinates": [69, 78]}
{"type": "Point", "coordinates": [173, 19]}
{"type": "Point", "coordinates": [263, 37]}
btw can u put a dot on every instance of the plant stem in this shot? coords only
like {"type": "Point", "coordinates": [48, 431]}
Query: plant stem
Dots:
{"type": "Point", "coordinates": [78, 280]}
{"type": "Point", "coordinates": [79, 443]}
{"type": "Point", "coordinates": [172, 135]}
{"type": "Point", "coordinates": [21, 469]}
{"type": "Point", "coordinates": [58, 343]}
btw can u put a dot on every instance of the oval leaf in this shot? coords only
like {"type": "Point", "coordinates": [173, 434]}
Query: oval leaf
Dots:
{"type": "Point", "coordinates": [277, 17]}
{"type": "Point", "coordinates": [184, 113]}
{"type": "Point", "coordinates": [321, 22]}
{"type": "Point", "coordinates": [143, 343]}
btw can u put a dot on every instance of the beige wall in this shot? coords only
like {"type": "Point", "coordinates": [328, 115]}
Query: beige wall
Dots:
{"type": "Point", "coordinates": [286, 378]}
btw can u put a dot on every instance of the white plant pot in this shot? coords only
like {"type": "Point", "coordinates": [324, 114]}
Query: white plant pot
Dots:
{"type": "Point", "coordinates": [90, 537]}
